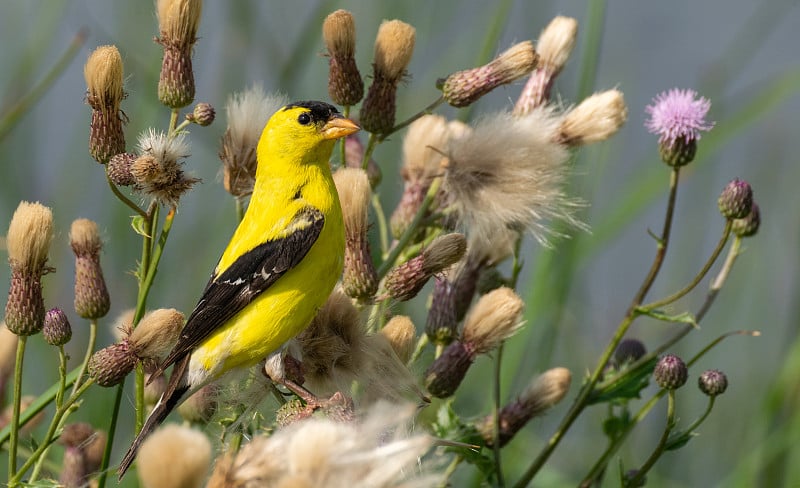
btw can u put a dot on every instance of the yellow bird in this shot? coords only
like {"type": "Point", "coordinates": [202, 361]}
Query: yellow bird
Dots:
{"type": "Point", "coordinates": [279, 267]}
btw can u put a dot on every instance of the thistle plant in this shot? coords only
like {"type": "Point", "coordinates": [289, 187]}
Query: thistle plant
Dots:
{"type": "Point", "coordinates": [378, 399]}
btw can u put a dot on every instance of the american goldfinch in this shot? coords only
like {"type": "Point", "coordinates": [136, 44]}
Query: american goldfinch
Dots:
{"type": "Point", "coordinates": [278, 269]}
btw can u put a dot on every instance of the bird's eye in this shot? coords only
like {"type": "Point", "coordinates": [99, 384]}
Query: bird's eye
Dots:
{"type": "Point", "coordinates": [304, 118]}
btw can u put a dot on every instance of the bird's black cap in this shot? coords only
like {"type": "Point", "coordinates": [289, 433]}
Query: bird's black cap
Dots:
{"type": "Point", "coordinates": [321, 112]}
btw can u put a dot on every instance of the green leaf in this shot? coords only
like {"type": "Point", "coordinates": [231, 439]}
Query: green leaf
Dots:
{"type": "Point", "coordinates": [677, 440]}
{"type": "Point", "coordinates": [681, 318]}
{"type": "Point", "coordinates": [626, 385]}
{"type": "Point", "coordinates": [139, 225]}
{"type": "Point", "coordinates": [449, 426]}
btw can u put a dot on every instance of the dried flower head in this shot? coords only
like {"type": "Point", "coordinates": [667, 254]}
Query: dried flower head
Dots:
{"type": "Point", "coordinates": [736, 199]}
{"type": "Point", "coordinates": [118, 169]}
{"type": "Point", "coordinates": [671, 372]}
{"type": "Point", "coordinates": [345, 85]}
{"type": "Point", "coordinates": [463, 88]}
{"type": "Point", "coordinates": [110, 365]}
{"type": "Point", "coordinates": [28, 242]}
{"type": "Point", "coordinates": [493, 319]}
{"type": "Point", "coordinates": [555, 45]}
{"type": "Point", "coordinates": [678, 117]}
{"type": "Point", "coordinates": [424, 147]}
{"type": "Point", "coordinates": [57, 330]}
{"type": "Point", "coordinates": [104, 80]}
{"type": "Point", "coordinates": [377, 451]}
{"type": "Point", "coordinates": [542, 393]}
{"type": "Point", "coordinates": [401, 334]}
{"type": "Point", "coordinates": [508, 173]}
{"type": "Point", "coordinates": [595, 119]}
{"type": "Point", "coordinates": [405, 281]}
{"type": "Point", "coordinates": [360, 279]}
{"type": "Point", "coordinates": [394, 46]}
{"type": "Point", "coordinates": [174, 457]}
{"type": "Point", "coordinates": [247, 114]}
{"type": "Point", "coordinates": [91, 294]}
{"type": "Point", "coordinates": [156, 333]}
{"type": "Point", "coordinates": [713, 382]}
{"type": "Point", "coordinates": [178, 21]}
{"type": "Point", "coordinates": [158, 170]}
{"type": "Point", "coordinates": [202, 115]}
{"type": "Point", "coordinates": [748, 226]}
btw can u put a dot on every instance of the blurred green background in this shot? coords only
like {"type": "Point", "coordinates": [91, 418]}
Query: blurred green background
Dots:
{"type": "Point", "coordinates": [741, 55]}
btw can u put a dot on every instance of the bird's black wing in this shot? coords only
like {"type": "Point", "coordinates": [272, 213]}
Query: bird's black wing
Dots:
{"type": "Point", "coordinates": [249, 276]}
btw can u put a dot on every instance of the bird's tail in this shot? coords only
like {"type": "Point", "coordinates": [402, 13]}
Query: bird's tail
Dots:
{"type": "Point", "coordinates": [176, 388]}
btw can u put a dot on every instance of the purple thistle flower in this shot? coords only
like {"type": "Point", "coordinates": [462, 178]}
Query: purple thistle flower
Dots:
{"type": "Point", "coordinates": [678, 114]}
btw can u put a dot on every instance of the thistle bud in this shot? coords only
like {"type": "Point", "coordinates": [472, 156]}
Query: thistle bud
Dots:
{"type": "Point", "coordinates": [201, 406]}
{"type": "Point", "coordinates": [345, 85]}
{"type": "Point", "coordinates": [747, 226]}
{"type": "Point", "coordinates": [178, 21]}
{"type": "Point", "coordinates": [554, 46]}
{"type": "Point", "coordinates": [595, 119]}
{"type": "Point", "coordinates": [736, 200]}
{"type": "Point", "coordinates": [110, 365]}
{"type": "Point", "coordinates": [57, 330]}
{"type": "Point", "coordinates": [628, 351]}
{"type": "Point", "coordinates": [493, 319]}
{"type": "Point", "coordinates": [360, 279]}
{"type": "Point", "coordinates": [442, 323]}
{"type": "Point", "coordinates": [174, 456]}
{"type": "Point", "coordinates": [542, 393]}
{"type": "Point", "coordinates": [400, 332]}
{"type": "Point", "coordinates": [463, 88]}
{"type": "Point", "coordinates": [28, 241]}
{"type": "Point", "coordinates": [91, 295]}
{"type": "Point", "coordinates": [202, 115]}
{"type": "Point", "coordinates": [354, 155]}
{"type": "Point", "coordinates": [156, 334]}
{"type": "Point", "coordinates": [394, 46]}
{"type": "Point", "coordinates": [713, 382]}
{"type": "Point", "coordinates": [104, 77]}
{"type": "Point", "coordinates": [83, 453]}
{"type": "Point", "coordinates": [118, 169]}
{"type": "Point", "coordinates": [671, 372]}
{"type": "Point", "coordinates": [446, 373]}
{"type": "Point", "coordinates": [405, 281]}
{"type": "Point", "coordinates": [158, 171]}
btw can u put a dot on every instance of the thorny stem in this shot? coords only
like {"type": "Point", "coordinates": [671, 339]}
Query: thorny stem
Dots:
{"type": "Point", "coordinates": [12, 449]}
{"type": "Point", "coordinates": [88, 355]}
{"type": "Point", "coordinates": [581, 402]}
{"type": "Point", "coordinates": [662, 443]}
{"type": "Point", "coordinates": [54, 425]}
{"type": "Point", "coordinates": [688, 288]}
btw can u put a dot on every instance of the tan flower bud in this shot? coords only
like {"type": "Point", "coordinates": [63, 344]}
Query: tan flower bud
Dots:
{"type": "Point", "coordinates": [345, 85]}
{"type": "Point", "coordinates": [405, 281]}
{"type": "Point", "coordinates": [394, 46]}
{"type": "Point", "coordinates": [104, 79]}
{"type": "Point", "coordinates": [178, 21]}
{"type": "Point", "coordinates": [174, 457]}
{"type": "Point", "coordinates": [156, 333]}
{"type": "Point", "coordinates": [28, 241]}
{"type": "Point", "coordinates": [543, 392]}
{"type": "Point", "coordinates": [463, 88]}
{"type": "Point", "coordinates": [401, 333]}
{"type": "Point", "coordinates": [493, 319]}
{"type": "Point", "coordinates": [595, 119]}
{"type": "Point", "coordinates": [91, 295]}
{"type": "Point", "coordinates": [158, 171]}
{"type": "Point", "coordinates": [360, 279]}
{"type": "Point", "coordinates": [202, 115]}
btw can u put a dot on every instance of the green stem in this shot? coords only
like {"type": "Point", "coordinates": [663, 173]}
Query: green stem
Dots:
{"type": "Point", "coordinates": [12, 449]}
{"type": "Point", "coordinates": [703, 417]}
{"type": "Point", "coordinates": [239, 208]}
{"type": "Point", "coordinates": [422, 342]}
{"type": "Point", "coordinates": [112, 428]}
{"type": "Point", "coordinates": [62, 376]}
{"type": "Point", "coordinates": [88, 355]}
{"type": "Point", "coordinates": [49, 437]}
{"type": "Point", "coordinates": [173, 122]}
{"type": "Point", "coordinates": [139, 398]}
{"type": "Point", "coordinates": [411, 230]}
{"type": "Point", "coordinates": [372, 142]}
{"type": "Point", "coordinates": [585, 392]}
{"type": "Point", "coordinates": [451, 468]}
{"type": "Point", "coordinates": [24, 103]}
{"type": "Point", "coordinates": [184, 124]}
{"type": "Point", "coordinates": [662, 442]}
{"type": "Point", "coordinates": [685, 290]}
{"type": "Point", "coordinates": [383, 229]}
{"type": "Point", "coordinates": [498, 465]}
{"type": "Point", "coordinates": [425, 111]}
{"type": "Point", "coordinates": [125, 199]}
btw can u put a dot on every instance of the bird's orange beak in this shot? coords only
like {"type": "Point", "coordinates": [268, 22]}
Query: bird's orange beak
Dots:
{"type": "Point", "coordinates": [339, 127]}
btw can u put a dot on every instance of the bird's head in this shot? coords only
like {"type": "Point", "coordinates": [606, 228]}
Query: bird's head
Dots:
{"type": "Point", "coordinates": [303, 132]}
